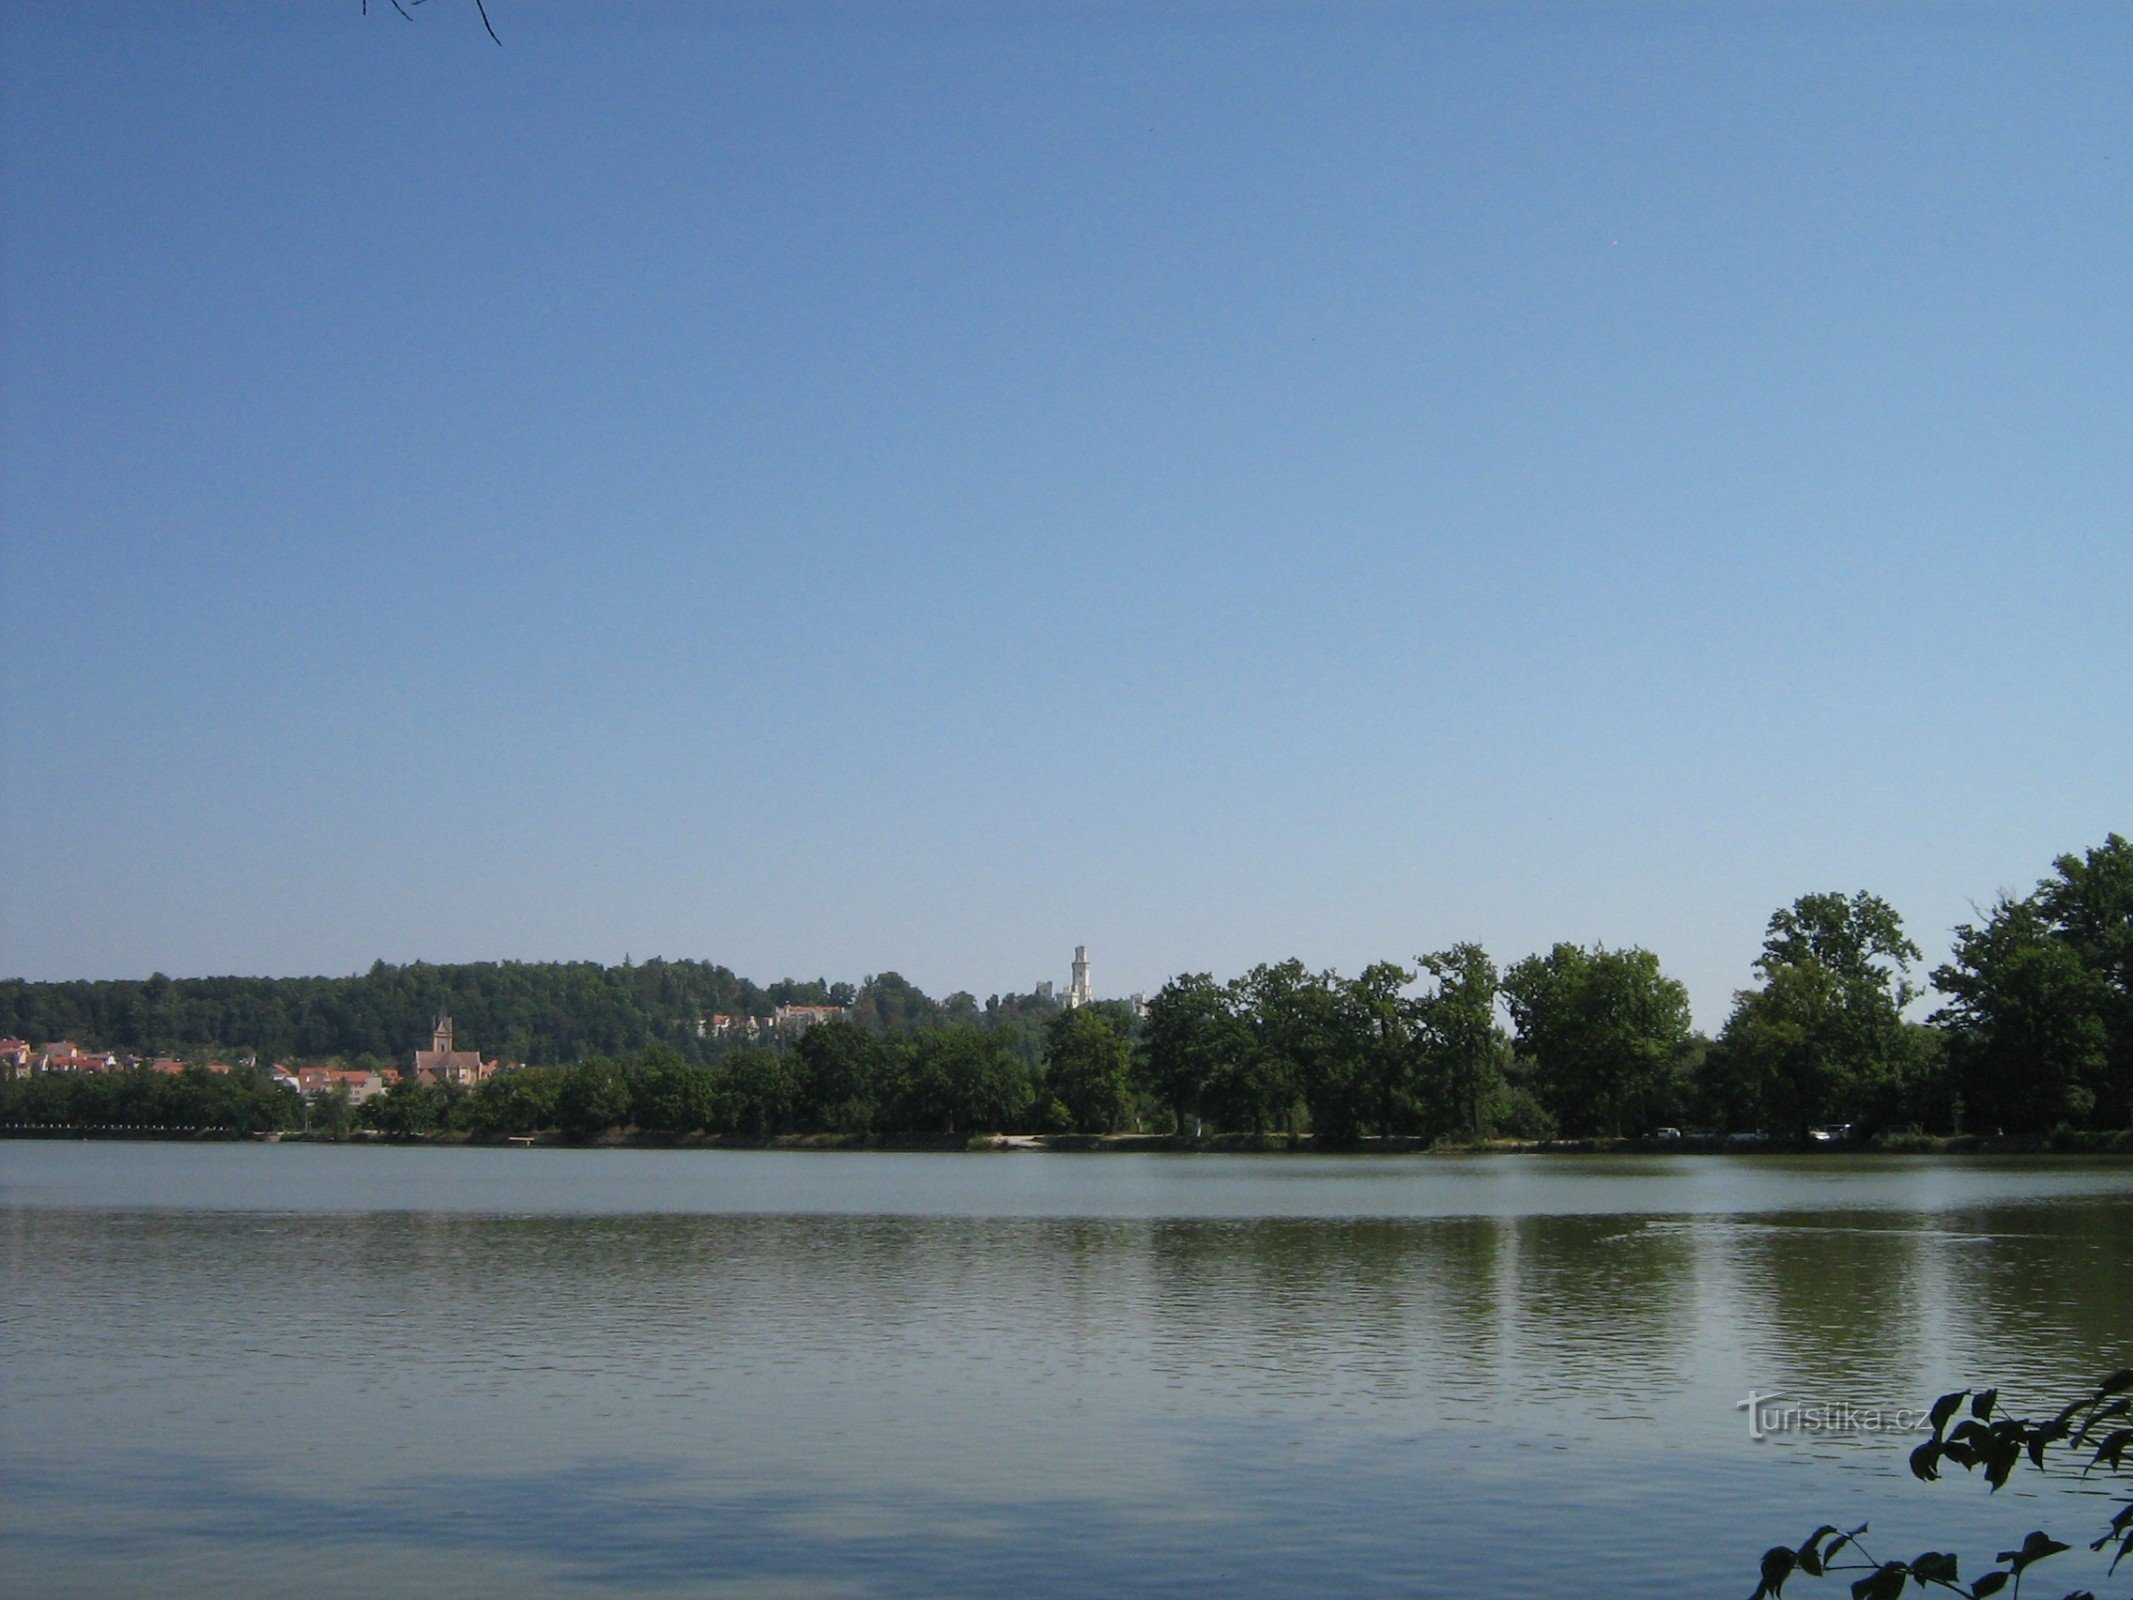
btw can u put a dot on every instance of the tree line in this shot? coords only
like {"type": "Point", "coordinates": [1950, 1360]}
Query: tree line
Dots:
{"type": "Point", "coordinates": [2035, 1035]}
{"type": "Point", "coordinates": [545, 1013]}
{"type": "Point", "coordinates": [243, 1101]}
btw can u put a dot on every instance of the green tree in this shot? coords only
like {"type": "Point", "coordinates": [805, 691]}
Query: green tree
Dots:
{"type": "Point", "coordinates": [330, 1116]}
{"type": "Point", "coordinates": [849, 1078]}
{"type": "Point", "coordinates": [1310, 1035]}
{"type": "Point", "coordinates": [964, 1080]}
{"type": "Point", "coordinates": [763, 1093]}
{"type": "Point", "coordinates": [1088, 1069]}
{"type": "Point", "coordinates": [411, 1110]}
{"type": "Point", "coordinates": [523, 1100]}
{"type": "Point", "coordinates": [1860, 939]}
{"type": "Point", "coordinates": [1283, 1011]}
{"type": "Point", "coordinates": [1605, 1031]}
{"type": "Point", "coordinates": [1823, 1038]}
{"type": "Point", "coordinates": [891, 1003]}
{"type": "Point", "coordinates": [1189, 1037]}
{"type": "Point", "coordinates": [1380, 1050]}
{"type": "Point", "coordinates": [595, 1096]}
{"type": "Point", "coordinates": [2039, 1017]}
{"type": "Point", "coordinates": [1465, 1045]}
{"type": "Point", "coordinates": [668, 1094]}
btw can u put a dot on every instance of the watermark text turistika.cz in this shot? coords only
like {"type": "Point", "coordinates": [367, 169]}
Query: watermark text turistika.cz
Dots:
{"type": "Point", "coordinates": [1784, 1417]}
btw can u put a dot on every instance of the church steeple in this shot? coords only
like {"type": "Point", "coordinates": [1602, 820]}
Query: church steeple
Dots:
{"type": "Point", "coordinates": [441, 1040]}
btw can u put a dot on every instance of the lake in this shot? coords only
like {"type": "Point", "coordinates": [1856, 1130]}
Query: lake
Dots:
{"type": "Point", "coordinates": [315, 1371]}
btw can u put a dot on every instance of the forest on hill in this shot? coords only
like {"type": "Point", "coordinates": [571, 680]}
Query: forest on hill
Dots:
{"type": "Point", "coordinates": [542, 1013]}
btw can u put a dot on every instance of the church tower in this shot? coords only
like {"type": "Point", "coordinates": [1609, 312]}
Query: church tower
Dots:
{"type": "Point", "coordinates": [1078, 991]}
{"type": "Point", "coordinates": [441, 1039]}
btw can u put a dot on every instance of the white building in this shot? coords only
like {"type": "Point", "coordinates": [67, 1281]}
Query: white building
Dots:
{"type": "Point", "coordinates": [1078, 991]}
{"type": "Point", "coordinates": [798, 1019]}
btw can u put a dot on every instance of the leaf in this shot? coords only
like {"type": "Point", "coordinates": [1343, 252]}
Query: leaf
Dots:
{"type": "Point", "coordinates": [2034, 1549]}
{"type": "Point", "coordinates": [2000, 1461]}
{"type": "Point", "coordinates": [1944, 1408]}
{"type": "Point", "coordinates": [1981, 1407]}
{"type": "Point", "coordinates": [1778, 1562]}
{"type": "Point", "coordinates": [2125, 1547]}
{"type": "Point", "coordinates": [2121, 1379]}
{"type": "Point", "coordinates": [1838, 1543]}
{"type": "Point", "coordinates": [2113, 1449]}
{"type": "Point", "coordinates": [1925, 1461]}
{"type": "Point", "coordinates": [1990, 1584]}
{"type": "Point", "coordinates": [2117, 1408]}
{"type": "Point", "coordinates": [1886, 1583]}
{"type": "Point", "coordinates": [1809, 1557]}
{"type": "Point", "coordinates": [1935, 1566]}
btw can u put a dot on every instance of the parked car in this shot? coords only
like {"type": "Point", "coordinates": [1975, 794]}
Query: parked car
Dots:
{"type": "Point", "coordinates": [1831, 1133]}
{"type": "Point", "coordinates": [1757, 1137]}
{"type": "Point", "coordinates": [1667, 1135]}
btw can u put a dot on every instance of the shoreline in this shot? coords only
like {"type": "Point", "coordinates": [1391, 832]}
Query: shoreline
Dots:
{"type": "Point", "coordinates": [2118, 1143]}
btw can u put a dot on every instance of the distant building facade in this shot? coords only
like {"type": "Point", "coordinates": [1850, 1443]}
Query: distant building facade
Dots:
{"type": "Point", "coordinates": [315, 1082]}
{"type": "Point", "coordinates": [64, 1055]}
{"type": "Point", "coordinates": [798, 1019]}
{"type": "Point", "coordinates": [784, 1022]}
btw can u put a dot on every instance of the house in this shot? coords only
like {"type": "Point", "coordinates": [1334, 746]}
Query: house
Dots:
{"type": "Point", "coordinates": [440, 1063]}
{"type": "Point", "coordinates": [15, 1058]}
{"type": "Point", "coordinates": [798, 1019]}
{"type": "Point", "coordinates": [359, 1086]}
{"type": "Point", "coordinates": [63, 1055]}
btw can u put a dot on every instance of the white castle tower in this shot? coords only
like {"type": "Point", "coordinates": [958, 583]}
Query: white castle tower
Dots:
{"type": "Point", "coordinates": [1078, 991]}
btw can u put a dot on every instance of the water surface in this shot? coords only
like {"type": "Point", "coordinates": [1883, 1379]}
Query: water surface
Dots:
{"type": "Point", "coordinates": [315, 1371]}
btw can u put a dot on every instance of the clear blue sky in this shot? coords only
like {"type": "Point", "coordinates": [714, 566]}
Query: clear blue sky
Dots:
{"type": "Point", "coordinates": [862, 487]}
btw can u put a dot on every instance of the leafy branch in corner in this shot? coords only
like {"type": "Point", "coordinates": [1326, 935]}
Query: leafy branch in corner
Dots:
{"type": "Point", "coordinates": [2099, 1423]}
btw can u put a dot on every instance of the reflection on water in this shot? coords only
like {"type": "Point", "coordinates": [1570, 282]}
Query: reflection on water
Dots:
{"type": "Point", "coordinates": [277, 1398]}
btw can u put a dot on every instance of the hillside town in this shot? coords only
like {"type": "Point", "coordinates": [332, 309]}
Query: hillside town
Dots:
{"type": "Point", "coordinates": [442, 1063]}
